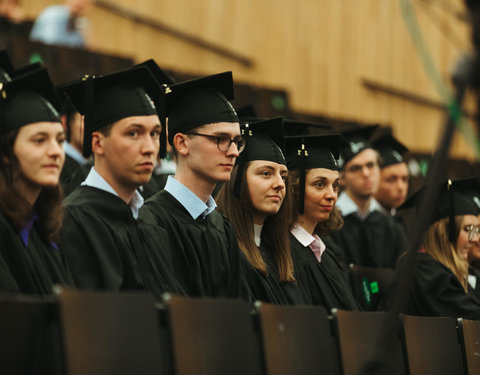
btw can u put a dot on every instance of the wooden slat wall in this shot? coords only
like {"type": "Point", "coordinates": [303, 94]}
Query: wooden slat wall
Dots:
{"type": "Point", "coordinates": [319, 51]}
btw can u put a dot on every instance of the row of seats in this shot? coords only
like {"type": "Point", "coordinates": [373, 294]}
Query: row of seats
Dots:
{"type": "Point", "coordinates": [92, 333]}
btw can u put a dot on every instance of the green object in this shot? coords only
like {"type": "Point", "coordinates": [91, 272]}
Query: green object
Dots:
{"type": "Point", "coordinates": [366, 291]}
{"type": "Point", "coordinates": [35, 57]}
{"type": "Point", "coordinates": [278, 102]}
{"type": "Point", "coordinates": [374, 287]}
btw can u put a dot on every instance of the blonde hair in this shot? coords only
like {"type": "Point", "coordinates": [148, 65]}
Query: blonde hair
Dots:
{"type": "Point", "coordinates": [437, 244]}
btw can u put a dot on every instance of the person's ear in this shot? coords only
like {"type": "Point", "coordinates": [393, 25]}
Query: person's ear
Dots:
{"type": "Point", "coordinates": [98, 143]}
{"type": "Point", "coordinates": [181, 143]}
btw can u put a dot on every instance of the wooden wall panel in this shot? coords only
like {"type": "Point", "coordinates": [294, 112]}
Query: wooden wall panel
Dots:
{"type": "Point", "coordinates": [319, 51]}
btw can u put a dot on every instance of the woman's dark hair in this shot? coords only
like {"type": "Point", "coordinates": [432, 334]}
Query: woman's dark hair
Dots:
{"type": "Point", "coordinates": [275, 228]}
{"type": "Point", "coordinates": [323, 228]}
{"type": "Point", "coordinates": [48, 205]}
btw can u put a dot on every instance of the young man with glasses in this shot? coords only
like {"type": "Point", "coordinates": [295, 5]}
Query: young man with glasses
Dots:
{"type": "Point", "coordinates": [368, 237]}
{"type": "Point", "coordinates": [204, 132]}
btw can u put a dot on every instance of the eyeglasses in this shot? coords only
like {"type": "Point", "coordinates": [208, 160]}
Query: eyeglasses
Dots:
{"type": "Point", "coordinates": [224, 141]}
{"type": "Point", "coordinates": [473, 230]}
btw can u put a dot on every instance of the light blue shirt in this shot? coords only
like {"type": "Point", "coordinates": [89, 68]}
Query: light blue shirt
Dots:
{"type": "Point", "coordinates": [52, 27]}
{"type": "Point", "coordinates": [348, 206]}
{"type": "Point", "coordinates": [74, 153]}
{"type": "Point", "coordinates": [193, 204]}
{"type": "Point", "coordinates": [95, 180]}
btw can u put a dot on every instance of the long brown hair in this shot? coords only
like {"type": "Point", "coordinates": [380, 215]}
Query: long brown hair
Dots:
{"type": "Point", "coordinates": [48, 205]}
{"type": "Point", "coordinates": [275, 228]}
{"type": "Point", "coordinates": [323, 228]}
{"type": "Point", "coordinates": [437, 244]}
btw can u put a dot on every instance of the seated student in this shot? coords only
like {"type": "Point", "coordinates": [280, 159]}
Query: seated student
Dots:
{"type": "Point", "coordinates": [258, 204]}
{"type": "Point", "coordinates": [31, 157]}
{"type": "Point", "coordinates": [313, 171]}
{"type": "Point", "coordinates": [105, 245]}
{"type": "Point", "coordinates": [204, 132]}
{"type": "Point", "coordinates": [440, 267]}
{"type": "Point", "coordinates": [368, 237]}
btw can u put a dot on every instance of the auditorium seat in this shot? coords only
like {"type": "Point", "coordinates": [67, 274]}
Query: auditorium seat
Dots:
{"type": "Point", "coordinates": [297, 340]}
{"type": "Point", "coordinates": [369, 285]}
{"type": "Point", "coordinates": [369, 342]}
{"type": "Point", "coordinates": [213, 337]}
{"type": "Point", "coordinates": [29, 339]}
{"type": "Point", "coordinates": [469, 332]}
{"type": "Point", "coordinates": [110, 333]}
{"type": "Point", "coordinates": [432, 346]}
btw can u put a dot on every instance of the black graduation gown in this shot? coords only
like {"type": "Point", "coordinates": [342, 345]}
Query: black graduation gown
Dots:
{"type": "Point", "coordinates": [32, 269]}
{"type": "Point", "coordinates": [107, 249]}
{"type": "Point", "coordinates": [269, 288]}
{"type": "Point", "coordinates": [474, 291]}
{"type": "Point", "coordinates": [205, 253]}
{"type": "Point", "coordinates": [434, 291]}
{"type": "Point", "coordinates": [376, 241]}
{"type": "Point", "coordinates": [325, 283]}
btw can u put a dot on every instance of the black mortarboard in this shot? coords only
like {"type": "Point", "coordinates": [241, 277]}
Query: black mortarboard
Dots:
{"type": "Point", "coordinates": [295, 127]}
{"type": "Point", "coordinates": [470, 187]}
{"type": "Point", "coordinates": [263, 141]}
{"type": "Point", "coordinates": [199, 102]}
{"type": "Point", "coordinates": [308, 152]}
{"type": "Point", "coordinates": [110, 98]}
{"type": "Point", "coordinates": [28, 99]}
{"type": "Point", "coordinates": [391, 151]}
{"type": "Point", "coordinates": [163, 79]}
{"type": "Point", "coordinates": [28, 68]}
{"type": "Point", "coordinates": [6, 67]}
{"type": "Point", "coordinates": [451, 202]}
{"type": "Point", "coordinates": [354, 142]}
{"type": "Point", "coordinates": [247, 111]}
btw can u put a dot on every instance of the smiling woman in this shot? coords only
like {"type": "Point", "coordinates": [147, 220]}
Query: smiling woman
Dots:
{"type": "Point", "coordinates": [31, 152]}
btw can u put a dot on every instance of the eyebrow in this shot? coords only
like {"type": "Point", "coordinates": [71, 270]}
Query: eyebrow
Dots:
{"type": "Point", "coordinates": [220, 133]}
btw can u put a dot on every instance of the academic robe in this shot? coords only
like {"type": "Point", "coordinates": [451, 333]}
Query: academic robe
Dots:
{"type": "Point", "coordinates": [205, 253]}
{"type": "Point", "coordinates": [474, 291]}
{"type": "Point", "coordinates": [107, 249]}
{"type": "Point", "coordinates": [325, 283]}
{"type": "Point", "coordinates": [376, 241]}
{"type": "Point", "coordinates": [31, 269]}
{"type": "Point", "coordinates": [434, 290]}
{"type": "Point", "coordinates": [268, 288]}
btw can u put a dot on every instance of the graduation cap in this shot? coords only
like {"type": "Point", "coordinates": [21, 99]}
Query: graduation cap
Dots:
{"type": "Point", "coordinates": [6, 67]}
{"type": "Point", "coordinates": [263, 141]}
{"type": "Point", "coordinates": [161, 77]}
{"type": "Point", "coordinates": [451, 202]}
{"type": "Point", "coordinates": [246, 112]}
{"type": "Point", "coordinates": [295, 127]}
{"type": "Point", "coordinates": [28, 68]}
{"type": "Point", "coordinates": [470, 187]}
{"type": "Point", "coordinates": [354, 142]}
{"type": "Point", "coordinates": [199, 102]}
{"type": "Point", "coordinates": [308, 152]}
{"type": "Point", "coordinates": [27, 99]}
{"type": "Point", "coordinates": [391, 150]}
{"type": "Point", "coordinates": [110, 98]}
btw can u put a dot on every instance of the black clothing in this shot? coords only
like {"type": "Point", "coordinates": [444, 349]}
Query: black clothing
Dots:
{"type": "Point", "coordinates": [376, 241]}
{"type": "Point", "coordinates": [474, 291]}
{"type": "Point", "coordinates": [32, 269]}
{"type": "Point", "coordinates": [69, 176]}
{"type": "Point", "coordinates": [325, 283]}
{"type": "Point", "coordinates": [205, 254]}
{"type": "Point", "coordinates": [269, 288]}
{"type": "Point", "coordinates": [434, 290]}
{"type": "Point", "coordinates": [108, 249]}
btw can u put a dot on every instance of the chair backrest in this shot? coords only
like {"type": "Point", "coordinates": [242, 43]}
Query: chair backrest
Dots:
{"type": "Point", "coordinates": [369, 342]}
{"type": "Point", "coordinates": [213, 337]}
{"type": "Point", "coordinates": [29, 338]}
{"type": "Point", "coordinates": [297, 340]}
{"type": "Point", "coordinates": [431, 345]}
{"type": "Point", "coordinates": [110, 333]}
{"type": "Point", "coordinates": [370, 285]}
{"type": "Point", "coordinates": [469, 331]}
